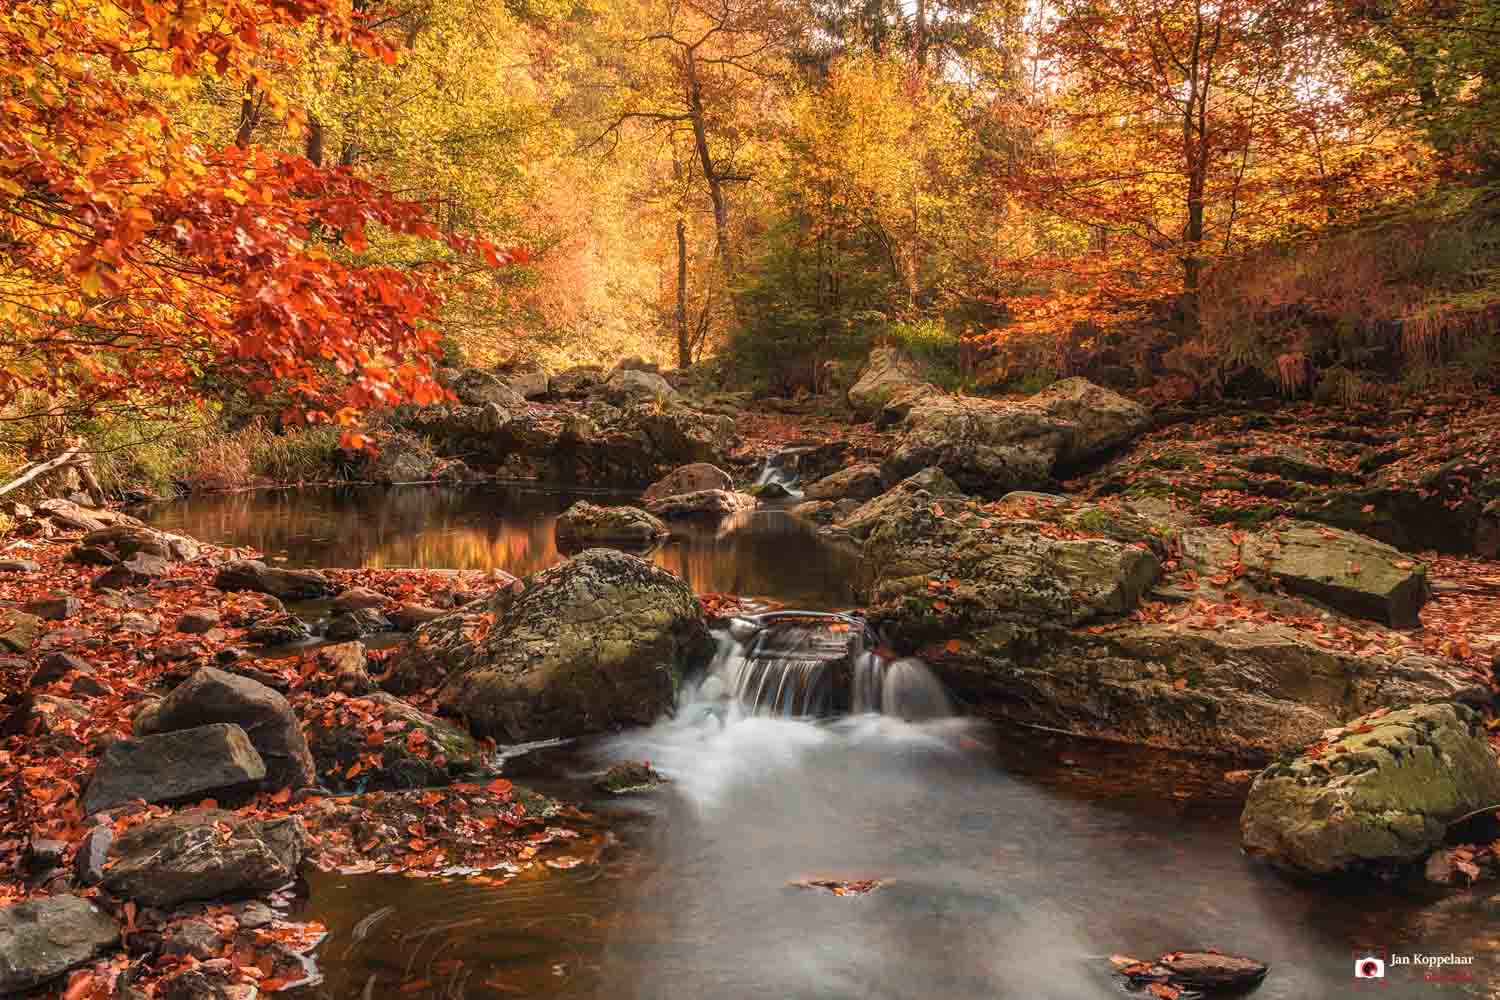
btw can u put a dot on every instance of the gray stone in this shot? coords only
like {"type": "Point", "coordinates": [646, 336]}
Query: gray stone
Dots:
{"type": "Point", "coordinates": [93, 852]}
{"type": "Point", "coordinates": [211, 696]}
{"type": "Point", "coordinates": [353, 624]}
{"type": "Point", "coordinates": [19, 566]}
{"type": "Point", "coordinates": [56, 608]}
{"type": "Point", "coordinates": [284, 584]}
{"type": "Point", "coordinates": [692, 478]}
{"type": "Point", "coordinates": [887, 377]}
{"type": "Point", "coordinates": [57, 665]}
{"type": "Point", "coordinates": [174, 766]}
{"type": "Point", "coordinates": [18, 631]}
{"type": "Point", "coordinates": [203, 854]}
{"type": "Point", "coordinates": [629, 386]}
{"type": "Point", "coordinates": [585, 524]}
{"type": "Point", "coordinates": [359, 598]}
{"type": "Point", "coordinates": [440, 754]}
{"type": "Point", "coordinates": [139, 624]}
{"type": "Point", "coordinates": [282, 630]}
{"type": "Point", "coordinates": [709, 503]}
{"type": "Point", "coordinates": [40, 939]}
{"type": "Point", "coordinates": [1381, 790]}
{"type": "Point", "coordinates": [140, 570]}
{"type": "Point", "coordinates": [857, 482]}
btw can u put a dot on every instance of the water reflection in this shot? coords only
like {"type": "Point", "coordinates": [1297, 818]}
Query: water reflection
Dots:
{"type": "Point", "coordinates": [763, 554]}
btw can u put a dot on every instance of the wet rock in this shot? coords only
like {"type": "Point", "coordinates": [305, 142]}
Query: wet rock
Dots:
{"type": "Point", "coordinates": [418, 750]}
{"type": "Point", "coordinates": [858, 482]}
{"type": "Point", "coordinates": [92, 853]}
{"type": "Point", "coordinates": [628, 386]}
{"type": "Point", "coordinates": [55, 608]}
{"type": "Point", "coordinates": [284, 584]}
{"type": "Point", "coordinates": [40, 939]}
{"type": "Point", "coordinates": [823, 512]}
{"type": "Point", "coordinates": [887, 376]}
{"type": "Point", "coordinates": [598, 641]}
{"type": "Point", "coordinates": [357, 599]}
{"type": "Point", "coordinates": [196, 621]}
{"type": "Point", "coordinates": [215, 980]}
{"type": "Point", "coordinates": [353, 624]}
{"type": "Point", "coordinates": [710, 503]}
{"type": "Point", "coordinates": [1382, 790]}
{"type": "Point", "coordinates": [769, 490]}
{"type": "Point", "coordinates": [585, 524]}
{"type": "Point", "coordinates": [993, 447]}
{"type": "Point", "coordinates": [140, 570]}
{"type": "Point", "coordinates": [253, 914]}
{"type": "Point", "coordinates": [250, 608]}
{"type": "Point", "coordinates": [211, 696]}
{"type": "Point", "coordinates": [19, 567]}
{"type": "Point", "coordinates": [1206, 971]}
{"type": "Point", "coordinates": [629, 777]}
{"type": "Point", "coordinates": [174, 766]}
{"type": "Point", "coordinates": [1356, 575]}
{"type": "Point", "coordinates": [203, 854]}
{"type": "Point", "coordinates": [44, 854]}
{"type": "Point", "coordinates": [282, 630]}
{"type": "Point", "coordinates": [18, 631]}
{"type": "Point", "coordinates": [341, 667]}
{"type": "Point", "coordinates": [1294, 466]}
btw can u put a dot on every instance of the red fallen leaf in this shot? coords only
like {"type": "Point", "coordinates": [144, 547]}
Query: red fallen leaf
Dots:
{"type": "Point", "coordinates": [414, 985]}
{"type": "Point", "coordinates": [1368, 508]}
{"type": "Point", "coordinates": [937, 509]}
{"type": "Point", "coordinates": [954, 646]}
{"type": "Point", "coordinates": [1354, 569]}
{"type": "Point", "coordinates": [79, 985]}
{"type": "Point", "coordinates": [1180, 684]}
{"type": "Point", "coordinates": [499, 786]}
{"type": "Point", "coordinates": [282, 797]}
{"type": "Point", "coordinates": [1164, 991]}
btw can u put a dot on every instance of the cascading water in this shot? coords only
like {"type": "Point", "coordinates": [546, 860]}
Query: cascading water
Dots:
{"type": "Point", "coordinates": [780, 475]}
{"type": "Point", "coordinates": [811, 664]}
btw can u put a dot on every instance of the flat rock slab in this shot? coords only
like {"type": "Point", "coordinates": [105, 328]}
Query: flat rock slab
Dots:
{"type": "Point", "coordinates": [1206, 971]}
{"type": "Point", "coordinates": [174, 766]}
{"type": "Point", "coordinates": [711, 503]}
{"type": "Point", "coordinates": [40, 939]}
{"type": "Point", "coordinates": [203, 854]}
{"type": "Point", "coordinates": [286, 584]}
{"type": "Point", "coordinates": [693, 478]}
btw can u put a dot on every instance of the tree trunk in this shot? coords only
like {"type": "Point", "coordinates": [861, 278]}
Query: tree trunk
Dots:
{"type": "Point", "coordinates": [706, 162]}
{"type": "Point", "coordinates": [684, 341]}
{"type": "Point", "coordinates": [314, 139]}
{"type": "Point", "coordinates": [249, 114]}
{"type": "Point", "coordinates": [922, 33]}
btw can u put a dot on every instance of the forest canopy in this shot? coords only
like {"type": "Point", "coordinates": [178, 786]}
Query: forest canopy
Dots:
{"type": "Point", "coordinates": [317, 201]}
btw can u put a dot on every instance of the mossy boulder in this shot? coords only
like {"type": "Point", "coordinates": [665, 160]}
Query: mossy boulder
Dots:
{"type": "Point", "coordinates": [585, 524]}
{"type": "Point", "coordinates": [887, 374]}
{"type": "Point", "coordinates": [1382, 790]}
{"type": "Point", "coordinates": [593, 643]}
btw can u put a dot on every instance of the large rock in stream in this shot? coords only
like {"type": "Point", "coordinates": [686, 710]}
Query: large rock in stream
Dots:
{"type": "Point", "coordinates": [40, 939]}
{"type": "Point", "coordinates": [995, 446]}
{"type": "Point", "coordinates": [173, 766]}
{"type": "Point", "coordinates": [596, 642]}
{"type": "Point", "coordinates": [584, 524]}
{"type": "Point", "coordinates": [283, 584]}
{"type": "Point", "coordinates": [1381, 790]}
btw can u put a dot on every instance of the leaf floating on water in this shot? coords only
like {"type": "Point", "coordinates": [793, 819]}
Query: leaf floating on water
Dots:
{"type": "Point", "coordinates": [840, 887]}
{"type": "Point", "coordinates": [565, 862]}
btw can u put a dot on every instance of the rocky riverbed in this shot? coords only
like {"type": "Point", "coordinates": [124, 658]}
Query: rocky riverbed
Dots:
{"type": "Point", "coordinates": [190, 727]}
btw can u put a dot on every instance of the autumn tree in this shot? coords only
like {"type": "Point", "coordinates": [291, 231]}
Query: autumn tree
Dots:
{"type": "Point", "coordinates": [142, 259]}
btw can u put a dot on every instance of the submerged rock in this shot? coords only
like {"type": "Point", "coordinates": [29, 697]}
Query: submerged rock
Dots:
{"type": "Point", "coordinates": [40, 939]}
{"type": "Point", "coordinates": [1381, 790]}
{"type": "Point", "coordinates": [629, 777]}
{"type": "Point", "coordinates": [1195, 971]}
{"type": "Point", "coordinates": [598, 641]}
{"type": "Point", "coordinates": [203, 854]}
{"type": "Point", "coordinates": [708, 503]}
{"type": "Point", "coordinates": [585, 524]}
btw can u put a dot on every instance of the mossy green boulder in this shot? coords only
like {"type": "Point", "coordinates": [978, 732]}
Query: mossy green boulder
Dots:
{"type": "Point", "coordinates": [1381, 790]}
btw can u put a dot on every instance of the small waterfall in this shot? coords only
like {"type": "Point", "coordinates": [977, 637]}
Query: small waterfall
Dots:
{"type": "Point", "coordinates": [780, 475]}
{"type": "Point", "coordinates": [804, 663]}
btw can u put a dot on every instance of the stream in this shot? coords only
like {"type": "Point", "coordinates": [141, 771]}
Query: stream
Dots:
{"type": "Point", "coordinates": [1014, 863]}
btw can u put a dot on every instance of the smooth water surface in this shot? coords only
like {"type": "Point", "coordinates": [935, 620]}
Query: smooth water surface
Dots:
{"type": "Point", "coordinates": [1016, 862]}
{"type": "Point", "coordinates": [764, 554]}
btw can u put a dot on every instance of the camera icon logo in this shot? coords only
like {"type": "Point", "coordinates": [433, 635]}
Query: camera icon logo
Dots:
{"type": "Point", "coordinates": [1369, 967]}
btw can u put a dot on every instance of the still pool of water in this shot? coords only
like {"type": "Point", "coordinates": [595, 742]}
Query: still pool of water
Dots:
{"type": "Point", "coordinates": [1016, 862]}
